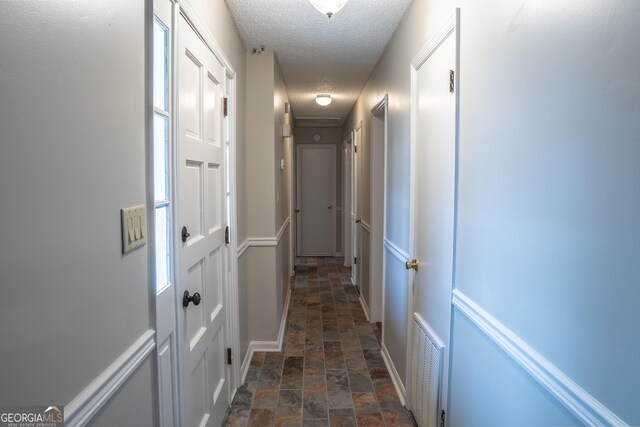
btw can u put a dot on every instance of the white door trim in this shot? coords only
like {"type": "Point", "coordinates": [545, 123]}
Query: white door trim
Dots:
{"type": "Point", "coordinates": [332, 147]}
{"type": "Point", "coordinates": [292, 206]}
{"type": "Point", "coordinates": [378, 214]}
{"type": "Point", "coordinates": [450, 26]}
{"type": "Point", "coordinates": [233, 319]}
{"type": "Point", "coordinates": [163, 307]}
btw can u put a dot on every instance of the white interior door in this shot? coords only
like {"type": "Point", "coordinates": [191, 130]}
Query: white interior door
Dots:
{"type": "Point", "coordinates": [316, 199]}
{"type": "Point", "coordinates": [434, 185]}
{"type": "Point", "coordinates": [346, 195]}
{"type": "Point", "coordinates": [201, 223]}
{"type": "Point", "coordinates": [356, 206]}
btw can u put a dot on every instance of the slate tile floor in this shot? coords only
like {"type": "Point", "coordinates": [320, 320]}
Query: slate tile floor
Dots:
{"type": "Point", "coordinates": [331, 372]}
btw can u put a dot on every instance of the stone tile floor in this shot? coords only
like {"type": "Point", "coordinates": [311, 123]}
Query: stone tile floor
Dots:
{"type": "Point", "coordinates": [331, 372]}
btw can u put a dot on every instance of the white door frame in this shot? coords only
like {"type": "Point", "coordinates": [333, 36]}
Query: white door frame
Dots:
{"type": "Point", "coordinates": [378, 213]}
{"type": "Point", "coordinates": [332, 147]}
{"type": "Point", "coordinates": [292, 207]}
{"type": "Point", "coordinates": [163, 306]}
{"type": "Point", "coordinates": [452, 25]}
{"type": "Point", "coordinates": [184, 8]}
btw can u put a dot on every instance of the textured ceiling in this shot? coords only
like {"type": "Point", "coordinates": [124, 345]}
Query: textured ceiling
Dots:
{"type": "Point", "coordinates": [318, 54]}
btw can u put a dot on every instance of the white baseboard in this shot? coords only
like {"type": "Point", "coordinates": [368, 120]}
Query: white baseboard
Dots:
{"type": "Point", "coordinates": [576, 399]}
{"type": "Point", "coordinates": [365, 307]}
{"type": "Point", "coordinates": [397, 382]}
{"type": "Point", "coordinates": [89, 401]}
{"type": "Point", "coordinates": [268, 346]}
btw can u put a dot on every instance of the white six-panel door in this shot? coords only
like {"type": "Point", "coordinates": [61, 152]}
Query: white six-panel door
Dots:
{"type": "Point", "coordinates": [201, 209]}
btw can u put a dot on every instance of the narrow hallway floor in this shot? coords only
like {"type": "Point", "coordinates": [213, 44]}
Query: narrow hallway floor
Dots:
{"type": "Point", "coordinates": [331, 372]}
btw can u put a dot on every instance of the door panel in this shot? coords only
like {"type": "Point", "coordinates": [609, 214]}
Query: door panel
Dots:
{"type": "Point", "coordinates": [316, 199]}
{"type": "Point", "coordinates": [213, 212]}
{"type": "Point", "coordinates": [191, 200]}
{"type": "Point", "coordinates": [201, 207]}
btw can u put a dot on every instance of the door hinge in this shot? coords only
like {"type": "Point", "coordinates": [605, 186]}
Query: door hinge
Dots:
{"type": "Point", "coordinates": [442, 418]}
{"type": "Point", "coordinates": [452, 84]}
{"type": "Point", "coordinates": [225, 106]}
{"type": "Point", "coordinates": [355, 260]}
{"type": "Point", "coordinates": [227, 236]}
{"type": "Point", "coordinates": [229, 360]}
{"type": "Point", "coordinates": [355, 148]}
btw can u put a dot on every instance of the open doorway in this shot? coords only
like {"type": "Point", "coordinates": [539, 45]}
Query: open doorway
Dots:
{"type": "Point", "coordinates": [377, 200]}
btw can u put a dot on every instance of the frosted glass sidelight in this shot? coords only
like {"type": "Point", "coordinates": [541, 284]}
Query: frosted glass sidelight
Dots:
{"type": "Point", "coordinates": [160, 66]}
{"type": "Point", "coordinates": [160, 157]}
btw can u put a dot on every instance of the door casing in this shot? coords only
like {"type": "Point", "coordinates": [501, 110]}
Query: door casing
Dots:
{"type": "Point", "coordinates": [378, 168]}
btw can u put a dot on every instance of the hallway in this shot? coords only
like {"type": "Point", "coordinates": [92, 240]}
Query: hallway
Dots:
{"type": "Point", "coordinates": [331, 371]}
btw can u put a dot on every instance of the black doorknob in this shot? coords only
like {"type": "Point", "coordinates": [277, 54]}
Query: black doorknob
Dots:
{"type": "Point", "coordinates": [185, 234]}
{"type": "Point", "coordinates": [186, 299]}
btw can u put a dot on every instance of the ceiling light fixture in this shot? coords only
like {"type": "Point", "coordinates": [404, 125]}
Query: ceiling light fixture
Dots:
{"type": "Point", "coordinates": [323, 100]}
{"type": "Point", "coordinates": [329, 7]}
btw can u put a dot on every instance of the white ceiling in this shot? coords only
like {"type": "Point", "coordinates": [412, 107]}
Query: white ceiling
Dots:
{"type": "Point", "coordinates": [318, 54]}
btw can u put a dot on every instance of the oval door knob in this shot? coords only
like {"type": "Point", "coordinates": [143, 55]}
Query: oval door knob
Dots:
{"type": "Point", "coordinates": [358, 221]}
{"type": "Point", "coordinates": [185, 234]}
{"type": "Point", "coordinates": [186, 299]}
{"type": "Point", "coordinates": [329, 206]}
{"type": "Point", "coordinates": [412, 265]}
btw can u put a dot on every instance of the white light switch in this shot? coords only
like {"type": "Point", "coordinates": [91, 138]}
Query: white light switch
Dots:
{"type": "Point", "coordinates": [134, 227]}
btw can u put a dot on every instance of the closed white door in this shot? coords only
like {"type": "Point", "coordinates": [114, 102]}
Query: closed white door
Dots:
{"type": "Point", "coordinates": [434, 184]}
{"type": "Point", "coordinates": [346, 196]}
{"type": "Point", "coordinates": [316, 199]}
{"type": "Point", "coordinates": [201, 223]}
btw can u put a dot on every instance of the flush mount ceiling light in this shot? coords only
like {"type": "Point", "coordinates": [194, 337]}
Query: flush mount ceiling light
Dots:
{"type": "Point", "coordinates": [329, 7]}
{"type": "Point", "coordinates": [323, 100]}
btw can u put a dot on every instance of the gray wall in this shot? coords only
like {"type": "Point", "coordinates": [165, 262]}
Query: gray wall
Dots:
{"type": "Point", "coordinates": [266, 268]}
{"type": "Point", "coordinates": [72, 153]}
{"type": "Point", "coordinates": [548, 195]}
{"type": "Point", "coordinates": [72, 120]}
{"type": "Point", "coordinates": [133, 406]}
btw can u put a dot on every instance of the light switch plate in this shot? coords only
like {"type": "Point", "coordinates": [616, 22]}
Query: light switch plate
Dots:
{"type": "Point", "coordinates": [134, 227]}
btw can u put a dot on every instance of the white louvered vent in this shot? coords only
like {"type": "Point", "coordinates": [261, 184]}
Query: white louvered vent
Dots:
{"type": "Point", "coordinates": [426, 367]}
